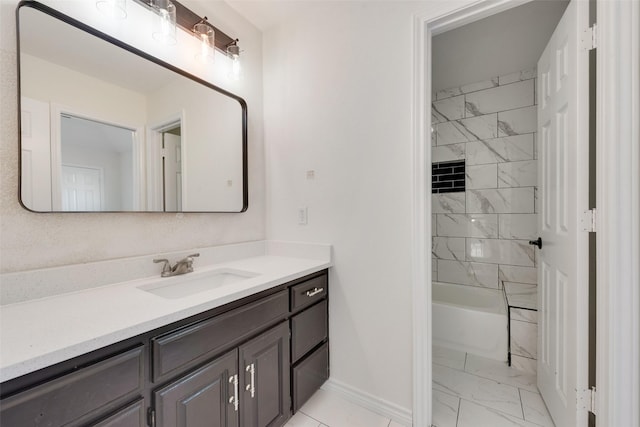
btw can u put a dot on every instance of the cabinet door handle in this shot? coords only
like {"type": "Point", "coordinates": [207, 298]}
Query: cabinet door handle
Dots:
{"type": "Point", "coordinates": [314, 292]}
{"type": "Point", "coordinates": [252, 386]}
{"type": "Point", "coordinates": [234, 399]}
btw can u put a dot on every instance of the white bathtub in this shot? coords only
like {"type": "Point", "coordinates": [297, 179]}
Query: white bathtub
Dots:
{"type": "Point", "coordinates": [470, 319]}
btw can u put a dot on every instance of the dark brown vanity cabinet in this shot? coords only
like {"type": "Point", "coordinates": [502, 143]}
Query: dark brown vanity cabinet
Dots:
{"type": "Point", "coordinates": [251, 363]}
{"type": "Point", "coordinates": [97, 391]}
{"type": "Point", "coordinates": [248, 387]}
{"type": "Point", "coordinates": [205, 397]}
{"type": "Point", "coordinates": [309, 338]}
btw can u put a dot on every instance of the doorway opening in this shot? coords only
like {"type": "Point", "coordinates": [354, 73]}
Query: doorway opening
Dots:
{"type": "Point", "coordinates": [94, 166]}
{"type": "Point", "coordinates": [166, 160]}
{"type": "Point", "coordinates": [505, 102]}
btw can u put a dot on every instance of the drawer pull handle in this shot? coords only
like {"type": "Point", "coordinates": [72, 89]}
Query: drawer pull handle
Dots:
{"type": "Point", "coordinates": [234, 399]}
{"type": "Point", "coordinates": [314, 292]}
{"type": "Point", "coordinates": [252, 386]}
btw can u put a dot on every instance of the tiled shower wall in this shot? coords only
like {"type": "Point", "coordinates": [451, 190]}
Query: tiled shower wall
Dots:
{"type": "Point", "coordinates": [480, 235]}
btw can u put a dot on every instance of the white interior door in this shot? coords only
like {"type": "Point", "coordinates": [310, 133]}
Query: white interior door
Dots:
{"type": "Point", "coordinates": [172, 173]}
{"type": "Point", "coordinates": [564, 177]}
{"type": "Point", "coordinates": [35, 186]}
{"type": "Point", "coordinates": [82, 189]}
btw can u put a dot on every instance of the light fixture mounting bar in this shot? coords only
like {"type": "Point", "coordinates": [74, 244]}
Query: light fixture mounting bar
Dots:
{"type": "Point", "coordinates": [186, 19]}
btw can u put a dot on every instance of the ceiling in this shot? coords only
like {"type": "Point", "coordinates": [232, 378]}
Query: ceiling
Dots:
{"type": "Point", "coordinates": [503, 43]}
{"type": "Point", "coordinates": [265, 14]}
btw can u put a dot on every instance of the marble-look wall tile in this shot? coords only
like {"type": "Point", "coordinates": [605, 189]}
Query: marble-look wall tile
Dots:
{"type": "Point", "coordinates": [485, 84]}
{"type": "Point", "coordinates": [524, 364]}
{"type": "Point", "coordinates": [518, 76]}
{"type": "Point", "coordinates": [448, 203]}
{"type": "Point", "coordinates": [500, 150]}
{"type": "Point", "coordinates": [447, 109]}
{"type": "Point", "coordinates": [523, 315]}
{"type": "Point", "coordinates": [472, 129]}
{"type": "Point", "coordinates": [512, 273]}
{"type": "Point", "coordinates": [448, 93]}
{"type": "Point", "coordinates": [524, 337]}
{"type": "Point", "coordinates": [511, 252]}
{"type": "Point", "coordinates": [518, 174]}
{"type": "Point", "coordinates": [518, 121]}
{"type": "Point", "coordinates": [481, 176]}
{"type": "Point", "coordinates": [445, 153]}
{"type": "Point", "coordinates": [500, 98]}
{"type": "Point", "coordinates": [471, 87]}
{"type": "Point", "coordinates": [472, 225]}
{"type": "Point", "coordinates": [501, 200]}
{"type": "Point", "coordinates": [518, 226]}
{"type": "Point", "coordinates": [468, 273]}
{"type": "Point", "coordinates": [434, 270]}
{"type": "Point", "coordinates": [434, 225]}
{"type": "Point", "coordinates": [448, 248]}
{"type": "Point", "coordinates": [521, 295]}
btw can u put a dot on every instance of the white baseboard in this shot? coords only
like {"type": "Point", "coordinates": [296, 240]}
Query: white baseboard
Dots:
{"type": "Point", "coordinates": [382, 407]}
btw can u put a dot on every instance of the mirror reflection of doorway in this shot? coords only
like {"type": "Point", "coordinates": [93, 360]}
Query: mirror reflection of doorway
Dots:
{"type": "Point", "coordinates": [96, 165]}
{"type": "Point", "coordinates": [172, 169]}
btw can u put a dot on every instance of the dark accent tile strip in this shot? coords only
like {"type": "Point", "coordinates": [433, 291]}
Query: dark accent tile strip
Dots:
{"type": "Point", "coordinates": [448, 177]}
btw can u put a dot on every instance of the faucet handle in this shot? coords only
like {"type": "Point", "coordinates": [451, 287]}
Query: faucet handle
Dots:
{"type": "Point", "coordinates": [193, 255]}
{"type": "Point", "coordinates": [166, 267]}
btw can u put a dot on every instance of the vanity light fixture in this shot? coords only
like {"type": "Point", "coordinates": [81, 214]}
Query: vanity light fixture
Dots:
{"type": "Point", "coordinates": [207, 36]}
{"type": "Point", "coordinates": [116, 9]}
{"type": "Point", "coordinates": [164, 25]}
{"type": "Point", "coordinates": [233, 52]}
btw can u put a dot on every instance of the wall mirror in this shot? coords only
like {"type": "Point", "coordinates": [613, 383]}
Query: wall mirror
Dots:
{"type": "Point", "coordinates": [106, 127]}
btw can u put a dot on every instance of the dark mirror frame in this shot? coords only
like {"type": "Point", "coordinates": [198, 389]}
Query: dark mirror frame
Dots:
{"type": "Point", "coordinates": [83, 27]}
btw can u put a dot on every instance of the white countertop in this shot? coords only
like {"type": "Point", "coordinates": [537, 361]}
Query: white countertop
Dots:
{"type": "Point", "coordinates": [42, 332]}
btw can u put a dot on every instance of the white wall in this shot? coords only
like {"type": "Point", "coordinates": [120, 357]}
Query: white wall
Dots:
{"type": "Point", "coordinates": [42, 240]}
{"type": "Point", "coordinates": [338, 101]}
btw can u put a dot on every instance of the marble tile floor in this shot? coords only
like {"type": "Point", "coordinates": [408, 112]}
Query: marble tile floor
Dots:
{"type": "Point", "coordinates": [472, 391]}
{"type": "Point", "coordinates": [468, 391]}
{"type": "Point", "coordinates": [327, 409]}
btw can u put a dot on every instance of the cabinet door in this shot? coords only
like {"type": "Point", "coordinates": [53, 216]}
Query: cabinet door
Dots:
{"type": "Point", "coordinates": [207, 397]}
{"type": "Point", "coordinates": [264, 364]}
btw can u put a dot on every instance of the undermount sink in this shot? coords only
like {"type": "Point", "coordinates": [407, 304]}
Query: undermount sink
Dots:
{"type": "Point", "coordinates": [193, 283]}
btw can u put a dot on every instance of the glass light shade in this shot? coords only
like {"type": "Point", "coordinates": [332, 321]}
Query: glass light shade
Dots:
{"type": "Point", "coordinates": [164, 25]}
{"type": "Point", "coordinates": [116, 9]}
{"type": "Point", "coordinates": [207, 41]}
{"type": "Point", "coordinates": [236, 69]}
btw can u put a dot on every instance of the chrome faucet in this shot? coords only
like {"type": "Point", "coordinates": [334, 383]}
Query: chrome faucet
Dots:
{"type": "Point", "coordinates": [184, 266]}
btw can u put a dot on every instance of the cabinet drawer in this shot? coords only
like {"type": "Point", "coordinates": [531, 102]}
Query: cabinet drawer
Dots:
{"type": "Point", "coordinates": [78, 397]}
{"type": "Point", "coordinates": [309, 375]}
{"type": "Point", "coordinates": [193, 344]}
{"type": "Point", "coordinates": [131, 416]}
{"type": "Point", "coordinates": [308, 292]}
{"type": "Point", "coordinates": [308, 329]}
